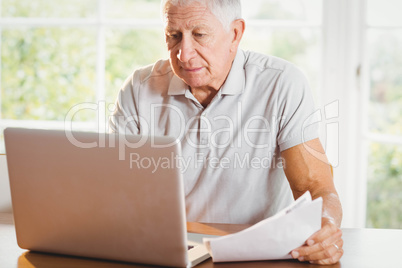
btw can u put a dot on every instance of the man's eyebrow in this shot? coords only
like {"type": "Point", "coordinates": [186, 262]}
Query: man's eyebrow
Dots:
{"type": "Point", "coordinates": [170, 29]}
{"type": "Point", "coordinates": [196, 27]}
{"type": "Point", "coordinates": [202, 26]}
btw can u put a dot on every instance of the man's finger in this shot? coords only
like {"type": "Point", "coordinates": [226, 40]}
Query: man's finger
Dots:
{"type": "Point", "coordinates": [330, 251]}
{"type": "Point", "coordinates": [332, 260]}
{"type": "Point", "coordinates": [317, 246]}
{"type": "Point", "coordinates": [326, 231]}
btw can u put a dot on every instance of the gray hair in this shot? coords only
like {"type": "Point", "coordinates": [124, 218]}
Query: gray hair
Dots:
{"type": "Point", "coordinates": [226, 11]}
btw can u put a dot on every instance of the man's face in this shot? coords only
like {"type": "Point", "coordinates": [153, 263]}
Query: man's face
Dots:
{"type": "Point", "coordinates": [199, 46]}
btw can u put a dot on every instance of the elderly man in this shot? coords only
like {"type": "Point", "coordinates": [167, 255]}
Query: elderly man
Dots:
{"type": "Point", "coordinates": [243, 120]}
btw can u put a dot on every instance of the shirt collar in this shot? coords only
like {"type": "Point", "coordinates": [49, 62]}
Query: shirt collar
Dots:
{"type": "Point", "coordinates": [233, 85]}
{"type": "Point", "coordinates": [177, 86]}
{"type": "Point", "coordinates": [235, 82]}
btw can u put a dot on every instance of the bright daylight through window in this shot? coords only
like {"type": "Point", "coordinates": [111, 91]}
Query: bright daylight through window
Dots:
{"type": "Point", "coordinates": [56, 55]}
{"type": "Point", "coordinates": [384, 112]}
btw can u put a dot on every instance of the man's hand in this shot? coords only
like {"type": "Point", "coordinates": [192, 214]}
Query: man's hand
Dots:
{"type": "Point", "coordinates": [323, 247]}
{"type": "Point", "coordinates": [306, 172]}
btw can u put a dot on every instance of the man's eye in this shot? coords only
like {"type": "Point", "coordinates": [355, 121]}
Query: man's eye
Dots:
{"type": "Point", "coordinates": [173, 36]}
{"type": "Point", "coordinates": [199, 35]}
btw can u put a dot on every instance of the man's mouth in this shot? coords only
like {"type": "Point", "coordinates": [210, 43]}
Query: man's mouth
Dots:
{"type": "Point", "coordinates": [192, 70]}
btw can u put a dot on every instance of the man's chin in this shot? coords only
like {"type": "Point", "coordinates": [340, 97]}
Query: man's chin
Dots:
{"type": "Point", "coordinates": [192, 83]}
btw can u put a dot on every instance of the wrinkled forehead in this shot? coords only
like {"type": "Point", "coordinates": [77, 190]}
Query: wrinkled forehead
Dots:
{"type": "Point", "coordinates": [168, 4]}
{"type": "Point", "coordinates": [188, 15]}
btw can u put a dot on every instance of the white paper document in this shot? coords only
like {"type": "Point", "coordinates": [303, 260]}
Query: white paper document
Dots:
{"type": "Point", "coordinates": [273, 238]}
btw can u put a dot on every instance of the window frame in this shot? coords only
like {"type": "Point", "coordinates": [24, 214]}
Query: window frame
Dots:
{"type": "Point", "coordinates": [345, 78]}
{"type": "Point", "coordinates": [100, 23]}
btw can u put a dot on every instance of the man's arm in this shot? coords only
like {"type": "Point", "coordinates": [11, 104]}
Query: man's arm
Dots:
{"type": "Point", "coordinates": [305, 172]}
{"type": "Point", "coordinates": [125, 118]}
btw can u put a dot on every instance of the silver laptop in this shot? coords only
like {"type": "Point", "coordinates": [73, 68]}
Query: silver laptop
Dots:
{"type": "Point", "coordinates": [101, 196]}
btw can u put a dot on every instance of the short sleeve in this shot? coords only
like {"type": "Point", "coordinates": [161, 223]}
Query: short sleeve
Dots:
{"type": "Point", "coordinates": [297, 122]}
{"type": "Point", "coordinates": [125, 119]}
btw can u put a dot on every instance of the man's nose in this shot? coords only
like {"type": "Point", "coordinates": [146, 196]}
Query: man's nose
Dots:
{"type": "Point", "coordinates": [187, 50]}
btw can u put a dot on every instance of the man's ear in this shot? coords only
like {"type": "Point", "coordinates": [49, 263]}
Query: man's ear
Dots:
{"type": "Point", "coordinates": [237, 29]}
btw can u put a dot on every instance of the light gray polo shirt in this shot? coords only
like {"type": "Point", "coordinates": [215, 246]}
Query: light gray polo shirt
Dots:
{"type": "Point", "coordinates": [231, 161]}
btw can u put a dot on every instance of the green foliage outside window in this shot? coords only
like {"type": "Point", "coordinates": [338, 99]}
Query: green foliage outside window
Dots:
{"type": "Point", "coordinates": [384, 185]}
{"type": "Point", "coordinates": [49, 9]}
{"type": "Point", "coordinates": [47, 70]}
{"type": "Point", "coordinates": [128, 49]}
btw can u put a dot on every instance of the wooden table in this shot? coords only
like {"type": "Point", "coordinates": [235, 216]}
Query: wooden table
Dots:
{"type": "Point", "coordinates": [364, 248]}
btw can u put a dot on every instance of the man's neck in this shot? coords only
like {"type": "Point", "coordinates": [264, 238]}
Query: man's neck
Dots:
{"type": "Point", "coordinates": [204, 95]}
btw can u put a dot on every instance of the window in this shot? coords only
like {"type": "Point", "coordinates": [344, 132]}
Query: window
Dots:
{"type": "Point", "coordinates": [64, 61]}
{"type": "Point", "coordinates": [383, 110]}
{"type": "Point", "coordinates": [59, 58]}
{"type": "Point", "coordinates": [288, 29]}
